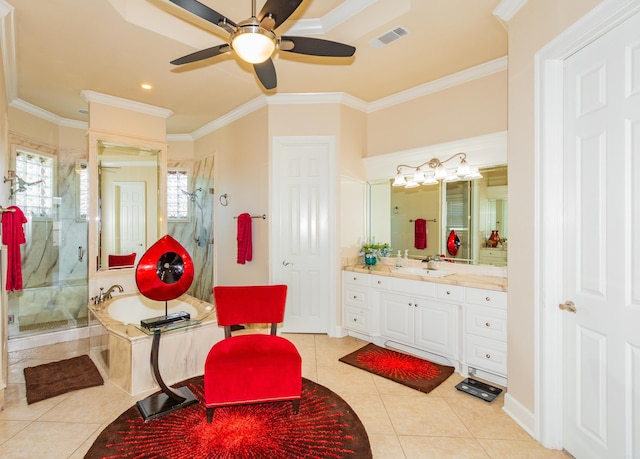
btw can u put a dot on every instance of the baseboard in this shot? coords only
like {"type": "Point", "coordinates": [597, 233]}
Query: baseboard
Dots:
{"type": "Point", "coordinates": [523, 417]}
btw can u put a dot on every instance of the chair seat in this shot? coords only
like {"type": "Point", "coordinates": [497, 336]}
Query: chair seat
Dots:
{"type": "Point", "coordinates": [264, 368]}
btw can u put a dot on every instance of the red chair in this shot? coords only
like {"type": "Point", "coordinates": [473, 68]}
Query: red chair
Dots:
{"type": "Point", "coordinates": [117, 261]}
{"type": "Point", "coordinates": [251, 368]}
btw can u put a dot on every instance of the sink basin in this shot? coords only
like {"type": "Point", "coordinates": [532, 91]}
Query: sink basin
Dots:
{"type": "Point", "coordinates": [424, 272]}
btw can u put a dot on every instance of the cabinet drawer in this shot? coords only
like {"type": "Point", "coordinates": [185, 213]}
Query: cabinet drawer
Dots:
{"type": "Point", "coordinates": [486, 354]}
{"type": "Point", "coordinates": [450, 292]}
{"type": "Point", "coordinates": [355, 319]}
{"type": "Point", "coordinates": [356, 278]}
{"type": "Point", "coordinates": [413, 287]}
{"type": "Point", "coordinates": [483, 297]}
{"type": "Point", "coordinates": [380, 282]}
{"type": "Point", "coordinates": [355, 295]}
{"type": "Point", "coordinates": [486, 322]}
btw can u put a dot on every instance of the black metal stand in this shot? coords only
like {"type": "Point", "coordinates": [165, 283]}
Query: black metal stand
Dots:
{"type": "Point", "coordinates": [167, 401]}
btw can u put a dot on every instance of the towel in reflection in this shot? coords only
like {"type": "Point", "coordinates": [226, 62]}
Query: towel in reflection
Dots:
{"type": "Point", "coordinates": [420, 233]}
{"type": "Point", "coordinates": [245, 245]}
{"type": "Point", "coordinates": [12, 237]}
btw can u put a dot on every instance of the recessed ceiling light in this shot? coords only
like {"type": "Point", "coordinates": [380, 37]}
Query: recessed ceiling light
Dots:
{"type": "Point", "coordinates": [146, 86]}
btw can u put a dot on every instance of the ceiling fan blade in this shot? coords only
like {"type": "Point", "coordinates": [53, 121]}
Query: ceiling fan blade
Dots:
{"type": "Point", "coordinates": [266, 73]}
{"type": "Point", "coordinates": [203, 11]}
{"type": "Point", "coordinates": [280, 10]}
{"type": "Point", "coordinates": [316, 47]}
{"type": "Point", "coordinates": [204, 54]}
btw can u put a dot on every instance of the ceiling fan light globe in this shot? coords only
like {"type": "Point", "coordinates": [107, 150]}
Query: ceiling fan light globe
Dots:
{"type": "Point", "coordinates": [253, 44]}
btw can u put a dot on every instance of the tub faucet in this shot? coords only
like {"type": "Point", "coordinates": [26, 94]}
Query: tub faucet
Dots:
{"type": "Point", "coordinates": [104, 296]}
{"type": "Point", "coordinates": [107, 294]}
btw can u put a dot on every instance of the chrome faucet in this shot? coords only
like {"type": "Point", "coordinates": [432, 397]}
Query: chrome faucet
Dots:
{"type": "Point", "coordinates": [104, 296]}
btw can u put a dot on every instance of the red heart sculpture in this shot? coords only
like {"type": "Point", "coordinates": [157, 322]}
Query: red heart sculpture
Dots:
{"type": "Point", "coordinates": [165, 271]}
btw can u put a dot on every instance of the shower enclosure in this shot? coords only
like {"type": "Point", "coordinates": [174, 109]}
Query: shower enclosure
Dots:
{"type": "Point", "coordinates": [50, 187]}
{"type": "Point", "coordinates": [195, 231]}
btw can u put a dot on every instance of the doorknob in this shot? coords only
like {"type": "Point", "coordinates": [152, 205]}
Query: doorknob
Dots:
{"type": "Point", "coordinates": [568, 306]}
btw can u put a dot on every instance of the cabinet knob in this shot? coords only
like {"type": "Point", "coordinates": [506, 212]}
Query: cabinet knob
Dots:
{"type": "Point", "coordinates": [379, 282]}
{"type": "Point", "coordinates": [488, 356]}
{"type": "Point", "coordinates": [415, 305]}
{"type": "Point", "coordinates": [354, 297]}
{"type": "Point", "coordinates": [488, 298]}
{"type": "Point", "coordinates": [410, 304]}
{"type": "Point", "coordinates": [448, 292]}
{"type": "Point", "coordinates": [487, 324]}
{"type": "Point", "coordinates": [355, 320]}
{"type": "Point", "coordinates": [355, 278]}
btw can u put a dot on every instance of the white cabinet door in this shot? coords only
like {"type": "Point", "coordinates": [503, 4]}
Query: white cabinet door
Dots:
{"type": "Point", "coordinates": [436, 327]}
{"type": "Point", "coordinates": [397, 317]}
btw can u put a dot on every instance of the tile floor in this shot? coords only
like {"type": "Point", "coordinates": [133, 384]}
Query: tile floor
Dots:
{"type": "Point", "coordinates": [401, 422]}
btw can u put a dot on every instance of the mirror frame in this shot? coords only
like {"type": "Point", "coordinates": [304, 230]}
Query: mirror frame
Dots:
{"type": "Point", "coordinates": [95, 136]}
{"type": "Point", "coordinates": [485, 151]}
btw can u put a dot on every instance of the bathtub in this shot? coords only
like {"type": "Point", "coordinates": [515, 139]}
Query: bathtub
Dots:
{"type": "Point", "coordinates": [122, 348]}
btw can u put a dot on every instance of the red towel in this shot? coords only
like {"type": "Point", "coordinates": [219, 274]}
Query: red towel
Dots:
{"type": "Point", "coordinates": [420, 233]}
{"type": "Point", "coordinates": [12, 237]}
{"type": "Point", "coordinates": [245, 246]}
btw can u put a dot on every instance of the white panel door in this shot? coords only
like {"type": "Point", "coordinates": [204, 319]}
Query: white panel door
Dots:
{"type": "Point", "coordinates": [601, 358]}
{"type": "Point", "coordinates": [130, 213]}
{"type": "Point", "coordinates": [303, 230]}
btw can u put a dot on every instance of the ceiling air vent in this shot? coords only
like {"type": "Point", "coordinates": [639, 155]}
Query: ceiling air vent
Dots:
{"type": "Point", "coordinates": [389, 37]}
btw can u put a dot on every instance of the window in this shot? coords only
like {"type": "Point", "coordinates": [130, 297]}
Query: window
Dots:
{"type": "Point", "coordinates": [177, 195]}
{"type": "Point", "coordinates": [83, 190]}
{"type": "Point", "coordinates": [33, 185]}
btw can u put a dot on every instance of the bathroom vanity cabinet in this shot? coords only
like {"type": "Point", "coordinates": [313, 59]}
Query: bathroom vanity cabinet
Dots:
{"type": "Point", "coordinates": [464, 326]}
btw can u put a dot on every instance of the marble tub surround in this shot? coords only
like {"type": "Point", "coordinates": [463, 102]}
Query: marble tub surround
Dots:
{"type": "Point", "coordinates": [478, 276]}
{"type": "Point", "coordinates": [123, 350]}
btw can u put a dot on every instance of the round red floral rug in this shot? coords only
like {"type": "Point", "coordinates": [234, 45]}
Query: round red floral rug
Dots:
{"type": "Point", "coordinates": [325, 427]}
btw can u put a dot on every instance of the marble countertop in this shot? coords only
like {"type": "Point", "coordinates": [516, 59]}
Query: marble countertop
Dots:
{"type": "Point", "coordinates": [465, 279]}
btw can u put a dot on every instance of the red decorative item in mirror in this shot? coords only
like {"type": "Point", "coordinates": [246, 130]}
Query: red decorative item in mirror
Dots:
{"type": "Point", "coordinates": [165, 271]}
{"type": "Point", "coordinates": [453, 243]}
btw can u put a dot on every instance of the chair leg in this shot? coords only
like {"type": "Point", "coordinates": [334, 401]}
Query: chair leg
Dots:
{"type": "Point", "coordinates": [210, 415]}
{"type": "Point", "coordinates": [296, 405]}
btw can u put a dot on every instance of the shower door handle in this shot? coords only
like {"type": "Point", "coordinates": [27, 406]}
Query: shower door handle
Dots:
{"type": "Point", "coordinates": [80, 253]}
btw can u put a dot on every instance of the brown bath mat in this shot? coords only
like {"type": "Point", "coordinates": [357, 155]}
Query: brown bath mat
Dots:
{"type": "Point", "coordinates": [402, 368]}
{"type": "Point", "coordinates": [56, 378]}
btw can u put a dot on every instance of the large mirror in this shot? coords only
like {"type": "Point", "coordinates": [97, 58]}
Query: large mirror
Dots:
{"type": "Point", "coordinates": [473, 210]}
{"type": "Point", "coordinates": [127, 207]}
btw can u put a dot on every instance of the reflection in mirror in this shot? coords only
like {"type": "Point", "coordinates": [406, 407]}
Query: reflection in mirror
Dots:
{"type": "Point", "coordinates": [128, 203]}
{"type": "Point", "coordinates": [473, 209]}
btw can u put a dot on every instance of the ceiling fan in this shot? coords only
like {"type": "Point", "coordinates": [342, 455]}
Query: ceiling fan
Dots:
{"type": "Point", "coordinates": [254, 39]}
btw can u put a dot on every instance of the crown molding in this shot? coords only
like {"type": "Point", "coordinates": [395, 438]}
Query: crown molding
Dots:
{"type": "Point", "coordinates": [507, 9]}
{"type": "Point", "coordinates": [46, 115]}
{"type": "Point", "coordinates": [317, 26]}
{"type": "Point", "coordinates": [118, 102]}
{"type": "Point", "coordinates": [479, 71]}
{"type": "Point", "coordinates": [230, 117]}
{"type": "Point", "coordinates": [261, 101]}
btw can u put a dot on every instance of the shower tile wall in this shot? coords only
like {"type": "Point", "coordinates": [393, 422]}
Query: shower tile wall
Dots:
{"type": "Point", "coordinates": [54, 291]}
{"type": "Point", "coordinates": [184, 232]}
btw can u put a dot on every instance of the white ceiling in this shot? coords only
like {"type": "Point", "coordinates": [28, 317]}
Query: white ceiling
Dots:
{"type": "Point", "coordinates": [63, 47]}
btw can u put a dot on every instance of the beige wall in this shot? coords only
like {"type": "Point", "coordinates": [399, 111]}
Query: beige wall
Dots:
{"type": "Point", "coordinates": [4, 160]}
{"type": "Point", "coordinates": [534, 25]}
{"type": "Point", "coordinates": [241, 155]}
{"type": "Point", "coordinates": [467, 110]}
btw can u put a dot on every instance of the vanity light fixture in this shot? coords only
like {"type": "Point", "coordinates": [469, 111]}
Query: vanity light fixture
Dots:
{"type": "Point", "coordinates": [463, 172]}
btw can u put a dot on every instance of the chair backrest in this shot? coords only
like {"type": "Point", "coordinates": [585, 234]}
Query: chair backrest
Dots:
{"type": "Point", "coordinates": [250, 304]}
{"type": "Point", "coordinates": [122, 260]}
